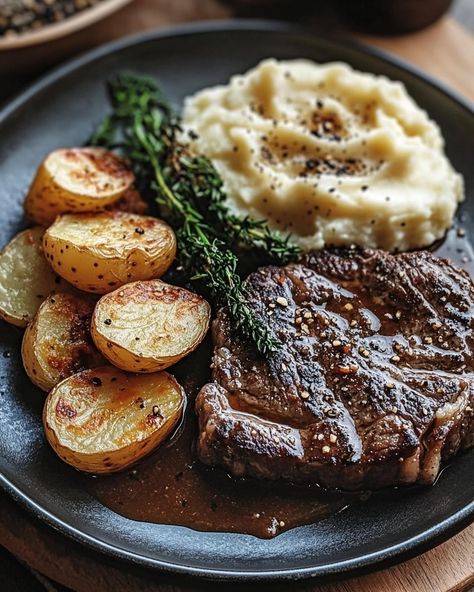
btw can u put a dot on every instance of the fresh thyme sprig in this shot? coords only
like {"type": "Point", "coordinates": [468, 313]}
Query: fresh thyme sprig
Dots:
{"type": "Point", "coordinates": [189, 191]}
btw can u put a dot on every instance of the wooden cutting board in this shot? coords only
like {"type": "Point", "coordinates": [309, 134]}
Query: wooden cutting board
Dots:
{"type": "Point", "coordinates": [446, 51]}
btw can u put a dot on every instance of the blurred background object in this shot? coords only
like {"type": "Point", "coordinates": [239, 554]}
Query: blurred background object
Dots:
{"type": "Point", "coordinates": [32, 22]}
{"type": "Point", "coordinates": [27, 54]}
{"type": "Point", "coordinates": [37, 34]}
{"type": "Point", "coordinates": [383, 17]}
{"type": "Point", "coordinates": [387, 17]}
{"type": "Point", "coordinates": [19, 17]}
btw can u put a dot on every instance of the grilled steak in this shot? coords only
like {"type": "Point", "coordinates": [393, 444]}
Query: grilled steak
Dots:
{"type": "Point", "coordinates": [373, 385]}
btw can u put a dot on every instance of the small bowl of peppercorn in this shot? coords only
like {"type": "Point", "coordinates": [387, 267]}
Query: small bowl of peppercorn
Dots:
{"type": "Point", "coordinates": [25, 23]}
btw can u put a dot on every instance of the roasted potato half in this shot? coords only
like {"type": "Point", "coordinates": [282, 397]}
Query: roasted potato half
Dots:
{"type": "Point", "coordinates": [148, 326]}
{"type": "Point", "coordinates": [103, 420]}
{"type": "Point", "coordinates": [25, 277]}
{"type": "Point", "coordinates": [76, 180]}
{"type": "Point", "coordinates": [57, 342]}
{"type": "Point", "coordinates": [99, 252]}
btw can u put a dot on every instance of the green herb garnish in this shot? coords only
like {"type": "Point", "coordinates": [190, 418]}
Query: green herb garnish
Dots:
{"type": "Point", "coordinates": [189, 192]}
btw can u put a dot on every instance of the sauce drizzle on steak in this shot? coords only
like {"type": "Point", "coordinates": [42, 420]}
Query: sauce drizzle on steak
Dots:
{"type": "Point", "coordinates": [373, 385]}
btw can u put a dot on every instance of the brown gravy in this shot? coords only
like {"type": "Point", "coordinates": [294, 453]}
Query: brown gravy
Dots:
{"type": "Point", "coordinates": [173, 487]}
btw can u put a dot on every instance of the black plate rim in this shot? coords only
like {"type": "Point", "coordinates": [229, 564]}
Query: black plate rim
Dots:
{"type": "Point", "coordinates": [409, 548]}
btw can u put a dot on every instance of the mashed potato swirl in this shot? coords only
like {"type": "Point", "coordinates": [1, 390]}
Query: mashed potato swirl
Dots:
{"type": "Point", "coordinates": [332, 155]}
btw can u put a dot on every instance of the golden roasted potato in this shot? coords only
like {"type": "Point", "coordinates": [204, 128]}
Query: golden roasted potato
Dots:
{"type": "Point", "coordinates": [57, 343]}
{"type": "Point", "coordinates": [25, 277]}
{"type": "Point", "coordinates": [99, 252]}
{"type": "Point", "coordinates": [131, 201]}
{"type": "Point", "coordinates": [148, 326]}
{"type": "Point", "coordinates": [76, 180]}
{"type": "Point", "coordinates": [103, 420]}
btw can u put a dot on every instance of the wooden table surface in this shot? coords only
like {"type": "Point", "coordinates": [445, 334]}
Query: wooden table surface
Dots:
{"type": "Point", "coordinates": [446, 51]}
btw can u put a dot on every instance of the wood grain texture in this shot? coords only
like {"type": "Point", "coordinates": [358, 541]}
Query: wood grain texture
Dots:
{"type": "Point", "coordinates": [446, 51]}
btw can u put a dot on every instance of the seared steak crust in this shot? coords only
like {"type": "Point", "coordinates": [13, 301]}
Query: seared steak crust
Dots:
{"type": "Point", "coordinates": [373, 385]}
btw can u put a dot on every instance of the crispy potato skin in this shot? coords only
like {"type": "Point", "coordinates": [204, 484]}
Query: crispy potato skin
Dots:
{"type": "Point", "coordinates": [57, 343]}
{"type": "Point", "coordinates": [26, 279]}
{"type": "Point", "coordinates": [99, 252]}
{"type": "Point", "coordinates": [76, 180]}
{"type": "Point", "coordinates": [147, 326]}
{"type": "Point", "coordinates": [103, 420]}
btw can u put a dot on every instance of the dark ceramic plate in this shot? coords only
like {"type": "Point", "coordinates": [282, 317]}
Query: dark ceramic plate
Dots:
{"type": "Point", "coordinates": [61, 110]}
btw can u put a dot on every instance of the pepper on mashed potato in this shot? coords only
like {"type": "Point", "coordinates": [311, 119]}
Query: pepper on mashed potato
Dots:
{"type": "Point", "coordinates": [332, 155]}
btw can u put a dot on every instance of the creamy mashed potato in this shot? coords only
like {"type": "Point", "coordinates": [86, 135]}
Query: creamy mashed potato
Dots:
{"type": "Point", "coordinates": [332, 155]}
